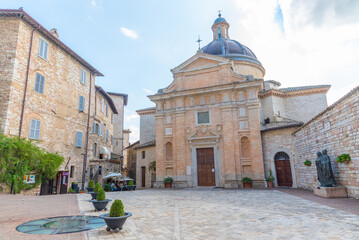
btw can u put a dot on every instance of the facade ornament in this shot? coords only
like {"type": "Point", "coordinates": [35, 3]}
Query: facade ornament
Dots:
{"type": "Point", "coordinates": [219, 127]}
{"type": "Point", "coordinates": [188, 130]}
{"type": "Point", "coordinates": [203, 129]}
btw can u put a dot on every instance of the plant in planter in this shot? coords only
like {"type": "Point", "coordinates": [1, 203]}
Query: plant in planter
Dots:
{"type": "Point", "coordinates": [75, 186]}
{"type": "Point", "coordinates": [71, 190]}
{"type": "Point", "coordinates": [107, 187]}
{"type": "Point", "coordinates": [117, 216]}
{"type": "Point", "coordinates": [101, 202]}
{"type": "Point", "coordinates": [168, 182]}
{"type": "Point", "coordinates": [270, 179]}
{"type": "Point", "coordinates": [308, 163]}
{"type": "Point", "coordinates": [344, 158]}
{"type": "Point", "coordinates": [247, 182]}
{"type": "Point", "coordinates": [95, 191]}
{"type": "Point", "coordinates": [91, 186]}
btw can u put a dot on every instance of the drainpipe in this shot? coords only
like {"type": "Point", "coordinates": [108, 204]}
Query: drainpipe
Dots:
{"type": "Point", "coordinates": [26, 80]}
{"type": "Point", "coordinates": [87, 138]}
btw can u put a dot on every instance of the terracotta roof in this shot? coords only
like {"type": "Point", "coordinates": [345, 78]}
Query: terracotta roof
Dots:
{"type": "Point", "coordinates": [133, 144]}
{"type": "Point", "coordinates": [147, 144]}
{"type": "Point", "coordinates": [292, 89]}
{"type": "Point", "coordinates": [108, 98]}
{"type": "Point", "coordinates": [349, 94]}
{"type": "Point", "coordinates": [21, 14]}
{"type": "Point", "coordinates": [281, 124]}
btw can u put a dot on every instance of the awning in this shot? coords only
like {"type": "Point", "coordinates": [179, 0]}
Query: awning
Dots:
{"type": "Point", "coordinates": [114, 175]}
{"type": "Point", "coordinates": [104, 150]}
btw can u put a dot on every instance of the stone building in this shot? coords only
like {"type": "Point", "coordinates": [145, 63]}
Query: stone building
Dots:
{"type": "Point", "coordinates": [48, 94]}
{"type": "Point", "coordinates": [131, 156]}
{"type": "Point", "coordinates": [146, 150]}
{"type": "Point", "coordinates": [219, 121]}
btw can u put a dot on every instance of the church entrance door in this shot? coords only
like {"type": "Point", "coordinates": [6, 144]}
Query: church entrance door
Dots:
{"type": "Point", "coordinates": [205, 166]}
{"type": "Point", "coordinates": [284, 173]}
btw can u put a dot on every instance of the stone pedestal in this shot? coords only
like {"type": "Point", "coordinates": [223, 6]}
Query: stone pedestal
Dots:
{"type": "Point", "coordinates": [331, 192]}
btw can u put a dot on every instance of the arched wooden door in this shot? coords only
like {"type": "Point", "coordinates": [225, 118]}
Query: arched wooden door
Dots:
{"type": "Point", "coordinates": [283, 169]}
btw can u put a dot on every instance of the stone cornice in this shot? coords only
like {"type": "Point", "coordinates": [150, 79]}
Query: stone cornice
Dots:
{"type": "Point", "coordinates": [278, 93]}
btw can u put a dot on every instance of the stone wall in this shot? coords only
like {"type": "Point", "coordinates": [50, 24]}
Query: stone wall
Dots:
{"type": "Point", "coordinates": [335, 129]}
{"type": "Point", "coordinates": [150, 156]}
{"type": "Point", "coordinates": [147, 128]}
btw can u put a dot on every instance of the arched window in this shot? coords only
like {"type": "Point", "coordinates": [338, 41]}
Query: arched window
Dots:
{"type": "Point", "coordinates": [219, 32]}
{"type": "Point", "coordinates": [281, 156]}
{"type": "Point", "coordinates": [169, 151]}
{"type": "Point", "coordinates": [245, 147]}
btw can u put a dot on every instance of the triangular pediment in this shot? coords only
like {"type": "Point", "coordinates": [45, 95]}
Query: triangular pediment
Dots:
{"type": "Point", "coordinates": [200, 61]}
{"type": "Point", "coordinates": [204, 134]}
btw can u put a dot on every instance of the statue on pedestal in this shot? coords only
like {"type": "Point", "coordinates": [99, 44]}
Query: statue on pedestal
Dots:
{"type": "Point", "coordinates": [324, 170]}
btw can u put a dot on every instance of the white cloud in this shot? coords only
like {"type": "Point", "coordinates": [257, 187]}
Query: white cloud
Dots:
{"type": "Point", "coordinates": [129, 33]}
{"type": "Point", "coordinates": [135, 133]}
{"type": "Point", "coordinates": [148, 91]}
{"type": "Point", "coordinates": [93, 3]}
{"type": "Point", "coordinates": [132, 117]}
{"type": "Point", "coordinates": [312, 51]}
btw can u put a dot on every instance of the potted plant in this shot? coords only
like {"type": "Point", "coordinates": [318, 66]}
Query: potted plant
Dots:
{"type": "Point", "coordinates": [117, 216]}
{"type": "Point", "coordinates": [91, 186]}
{"type": "Point", "coordinates": [168, 182]}
{"type": "Point", "coordinates": [95, 191]}
{"type": "Point", "coordinates": [101, 202]}
{"type": "Point", "coordinates": [270, 179]}
{"type": "Point", "coordinates": [71, 190]}
{"type": "Point", "coordinates": [344, 158]}
{"type": "Point", "coordinates": [108, 187]}
{"type": "Point", "coordinates": [247, 182]}
{"type": "Point", "coordinates": [308, 163]}
{"type": "Point", "coordinates": [75, 186]}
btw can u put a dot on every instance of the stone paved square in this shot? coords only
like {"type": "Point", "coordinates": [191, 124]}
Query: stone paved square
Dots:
{"type": "Point", "coordinates": [224, 214]}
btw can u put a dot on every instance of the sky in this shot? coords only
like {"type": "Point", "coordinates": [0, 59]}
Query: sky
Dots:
{"type": "Point", "coordinates": [136, 43]}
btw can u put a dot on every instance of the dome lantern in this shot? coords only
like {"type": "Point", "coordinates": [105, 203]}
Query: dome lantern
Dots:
{"type": "Point", "coordinates": [220, 27]}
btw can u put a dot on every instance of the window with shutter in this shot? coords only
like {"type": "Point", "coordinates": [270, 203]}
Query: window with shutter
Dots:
{"type": "Point", "coordinates": [102, 105]}
{"type": "Point", "coordinates": [106, 110]}
{"type": "Point", "coordinates": [101, 130]}
{"type": "Point", "coordinates": [39, 83]}
{"type": "Point", "coordinates": [78, 139]}
{"type": "Point", "coordinates": [107, 135]}
{"type": "Point", "coordinates": [94, 128]}
{"type": "Point", "coordinates": [82, 103]}
{"type": "Point", "coordinates": [83, 76]}
{"type": "Point", "coordinates": [111, 117]}
{"type": "Point", "coordinates": [43, 48]}
{"type": "Point", "coordinates": [111, 140]}
{"type": "Point", "coordinates": [34, 132]}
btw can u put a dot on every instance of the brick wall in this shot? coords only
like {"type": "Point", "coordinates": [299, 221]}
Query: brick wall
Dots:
{"type": "Point", "coordinates": [335, 129]}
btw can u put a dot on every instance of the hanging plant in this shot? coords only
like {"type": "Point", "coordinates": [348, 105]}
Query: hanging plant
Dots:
{"type": "Point", "coordinates": [344, 158]}
{"type": "Point", "coordinates": [308, 163]}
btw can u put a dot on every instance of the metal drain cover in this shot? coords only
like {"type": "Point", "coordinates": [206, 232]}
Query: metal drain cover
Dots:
{"type": "Point", "coordinates": [60, 225]}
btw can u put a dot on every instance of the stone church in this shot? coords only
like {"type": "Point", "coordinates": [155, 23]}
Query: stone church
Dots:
{"type": "Point", "coordinates": [219, 120]}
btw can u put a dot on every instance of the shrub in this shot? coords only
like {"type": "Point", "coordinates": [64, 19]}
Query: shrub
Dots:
{"type": "Point", "coordinates": [168, 180]}
{"type": "Point", "coordinates": [308, 163]}
{"type": "Point", "coordinates": [343, 158]}
{"type": "Point", "coordinates": [71, 190]}
{"type": "Point", "coordinates": [101, 195]}
{"type": "Point", "coordinates": [152, 166]}
{"type": "Point", "coordinates": [117, 209]}
{"type": "Point", "coordinates": [91, 183]}
{"type": "Point", "coordinates": [270, 178]}
{"type": "Point", "coordinates": [74, 183]}
{"type": "Point", "coordinates": [107, 187]}
{"type": "Point", "coordinates": [247, 180]}
{"type": "Point", "coordinates": [97, 187]}
{"type": "Point", "coordinates": [130, 183]}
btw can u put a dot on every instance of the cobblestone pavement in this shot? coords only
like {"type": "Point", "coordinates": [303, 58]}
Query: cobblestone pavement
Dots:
{"type": "Point", "coordinates": [224, 214]}
{"type": "Point", "coordinates": [17, 209]}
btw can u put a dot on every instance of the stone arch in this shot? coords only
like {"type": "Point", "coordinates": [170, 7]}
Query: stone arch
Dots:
{"type": "Point", "coordinates": [283, 169]}
{"type": "Point", "coordinates": [245, 147]}
{"type": "Point", "coordinates": [281, 156]}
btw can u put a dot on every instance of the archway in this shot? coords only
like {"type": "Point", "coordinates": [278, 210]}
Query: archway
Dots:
{"type": "Point", "coordinates": [283, 169]}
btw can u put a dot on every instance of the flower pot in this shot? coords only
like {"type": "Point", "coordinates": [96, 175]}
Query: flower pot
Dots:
{"type": "Point", "coordinates": [168, 185]}
{"type": "Point", "coordinates": [93, 195]}
{"type": "Point", "coordinates": [115, 223]}
{"type": "Point", "coordinates": [100, 205]}
{"type": "Point", "coordinates": [247, 185]}
{"type": "Point", "coordinates": [90, 189]}
{"type": "Point", "coordinates": [270, 184]}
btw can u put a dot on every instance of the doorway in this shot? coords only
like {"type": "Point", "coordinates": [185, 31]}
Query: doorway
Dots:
{"type": "Point", "coordinates": [143, 170]}
{"type": "Point", "coordinates": [283, 169]}
{"type": "Point", "coordinates": [205, 167]}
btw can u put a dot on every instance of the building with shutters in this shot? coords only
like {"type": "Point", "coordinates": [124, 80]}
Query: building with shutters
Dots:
{"type": "Point", "coordinates": [48, 95]}
{"type": "Point", "coordinates": [219, 120]}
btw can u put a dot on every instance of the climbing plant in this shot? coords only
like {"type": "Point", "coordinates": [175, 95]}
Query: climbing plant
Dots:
{"type": "Point", "coordinates": [20, 157]}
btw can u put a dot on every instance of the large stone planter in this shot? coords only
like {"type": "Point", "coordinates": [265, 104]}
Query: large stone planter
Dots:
{"type": "Point", "coordinates": [90, 189]}
{"type": "Point", "coordinates": [93, 195]}
{"type": "Point", "coordinates": [100, 205]}
{"type": "Point", "coordinates": [115, 223]}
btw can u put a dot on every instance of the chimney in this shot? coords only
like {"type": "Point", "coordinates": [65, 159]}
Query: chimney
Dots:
{"type": "Point", "coordinates": [53, 31]}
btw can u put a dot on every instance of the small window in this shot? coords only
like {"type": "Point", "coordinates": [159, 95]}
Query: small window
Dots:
{"type": "Point", "coordinates": [81, 103]}
{"type": "Point", "coordinates": [101, 130]}
{"type": "Point", "coordinates": [43, 48]}
{"type": "Point", "coordinates": [107, 135]}
{"type": "Point", "coordinates": [102, 105]}
{"type": "Point", "coordinates": [106, 110]}
{"type": "Point", "coordinates": [99, 170]}
{"type": "Point", "coordinates": [34, 129]}
{"type": "Point", "coordinates": [203, 117]}
{"type": "Point", "coordinates": [95, 150]}
{"type": "Point", "coordinates": [143, 154]}
{"type": "Point", "coordinates": [78, 139]}
{"type": "Point", "coordinates": [111, 140]}
{"type": "Point", "coordinates": [83, 76]}
{"type": "Point", "coordinates": [39, 83]}
{"type": "Point", "coordinates": [72, 171]}
{"type": "Point", "coordinates": [219, 32]}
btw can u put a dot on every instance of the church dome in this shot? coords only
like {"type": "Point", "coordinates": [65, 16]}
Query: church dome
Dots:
{"type": "Point", "coordinates": [223, 46]}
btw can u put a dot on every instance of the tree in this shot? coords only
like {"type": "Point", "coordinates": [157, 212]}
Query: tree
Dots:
{"type": "Point", "coordinates": [20, 157]}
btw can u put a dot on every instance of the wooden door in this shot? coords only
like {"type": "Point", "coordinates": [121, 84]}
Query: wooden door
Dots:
{"type": "Point", "coordinates": [284, 173]}
{"type": "Point", "coordinates": [205, 167]}
{"type": "Point", "coordinates": [143, 176]}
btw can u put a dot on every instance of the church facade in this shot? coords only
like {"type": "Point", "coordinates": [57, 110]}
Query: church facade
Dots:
{"type": "Point", "coordinates": [217, 116]}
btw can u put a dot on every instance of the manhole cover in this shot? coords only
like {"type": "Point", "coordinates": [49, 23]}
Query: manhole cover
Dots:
{"type": "Point", "coordinates": [60, 225]}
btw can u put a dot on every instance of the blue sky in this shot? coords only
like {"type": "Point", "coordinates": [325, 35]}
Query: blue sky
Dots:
{"type": "Point", "coordinates": [136, 43]}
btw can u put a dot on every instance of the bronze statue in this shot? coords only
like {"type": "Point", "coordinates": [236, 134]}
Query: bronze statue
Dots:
{"type": "Point", "coordinates": [324, 170]}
